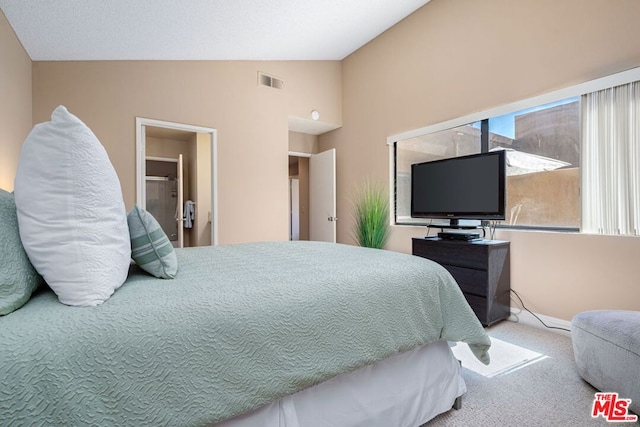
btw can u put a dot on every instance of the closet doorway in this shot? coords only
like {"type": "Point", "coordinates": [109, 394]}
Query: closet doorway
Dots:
{"type": "Point", "coordinates": [298, 198]}
{"type": "Point", "coordinates": [176, 179]}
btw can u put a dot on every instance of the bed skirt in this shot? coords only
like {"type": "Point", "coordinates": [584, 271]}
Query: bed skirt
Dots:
{"type": "Point", "coordinates": [405, 390]}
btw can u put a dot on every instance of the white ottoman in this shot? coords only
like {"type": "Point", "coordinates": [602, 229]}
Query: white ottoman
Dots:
{"type": "Point", "coordinates": [606, 347]}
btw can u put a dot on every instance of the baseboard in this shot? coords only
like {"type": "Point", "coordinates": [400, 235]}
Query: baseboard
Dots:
{"type": "Point", "coordinates": [522, 316]}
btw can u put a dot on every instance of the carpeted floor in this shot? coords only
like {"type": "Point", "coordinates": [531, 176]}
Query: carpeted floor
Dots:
{"type": "Point", "coordinates": [547, 392]}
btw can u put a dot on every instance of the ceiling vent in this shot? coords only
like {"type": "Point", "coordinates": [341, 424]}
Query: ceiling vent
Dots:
{"type": "Point", "coordinates": [267, 80]}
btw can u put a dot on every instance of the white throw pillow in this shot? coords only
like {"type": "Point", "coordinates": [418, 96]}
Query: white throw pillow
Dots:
{"type": "Point", "coordinates": [72, 219]}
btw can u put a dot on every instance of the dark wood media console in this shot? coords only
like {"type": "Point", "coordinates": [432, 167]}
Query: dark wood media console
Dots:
{"type": "Point", "coordinates": [481, 268]}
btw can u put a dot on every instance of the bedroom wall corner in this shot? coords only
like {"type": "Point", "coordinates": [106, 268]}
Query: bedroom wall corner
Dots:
{"type": "Point", "coordinates": [303, 143]}
{"type": "Point", "coordinates": [451, 59]}
{"type": "Point", "coordinates": [15, 102]}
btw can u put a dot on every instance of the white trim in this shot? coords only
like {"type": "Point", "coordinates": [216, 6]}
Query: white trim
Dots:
{"type": "Point", "coordinates": [141, 166]}
{"type": "Point", "coordinates": [522, 316]}
{"type": "Point", "coordinates": [141, 123]}
{"type": "Point", "coordinates": [617, 79]}
{"type": "Point", "coordinates": [174, 125]}
{"type": "Point", "coordinates": [161, 159]}
{"type": "Point", "coordinates": [300, 154]}
{"type": "Point", "coordinates": [392, 178]}
{"type": "Point", "coordinates": [214, 187]}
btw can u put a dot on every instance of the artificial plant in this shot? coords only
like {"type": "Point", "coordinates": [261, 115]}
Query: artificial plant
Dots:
{"type": "Point", "coordinates": [371, 204]}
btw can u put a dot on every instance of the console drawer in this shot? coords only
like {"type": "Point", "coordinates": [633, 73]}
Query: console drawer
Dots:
{"type": "Point", "coordinates": [479, 306]}
{"type": "Point", "coordinates": [452, 253]}
{"type": "Point", "coordinates": [470, 280]}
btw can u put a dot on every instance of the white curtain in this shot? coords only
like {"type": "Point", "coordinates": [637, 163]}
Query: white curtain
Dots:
{"type": "Point", "coordinates": [611, 161]}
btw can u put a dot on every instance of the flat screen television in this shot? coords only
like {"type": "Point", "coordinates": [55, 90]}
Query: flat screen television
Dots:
{"type": "Point", "coordinates": [466, 187]}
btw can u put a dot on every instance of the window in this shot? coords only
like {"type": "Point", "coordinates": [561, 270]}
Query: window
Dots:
{"type": "Point", "coordinates": [542, 152]}
{"type": "Point", "coordinates": [458, 141]}
{"type": "Point", "coordinates": [573, 156]}
{"type": "Point", "coordinates": [543, 163]}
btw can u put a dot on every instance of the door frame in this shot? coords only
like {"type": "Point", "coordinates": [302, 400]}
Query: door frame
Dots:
{"type": "Point", "coordinates": [299, 154]}
{"type": "Point", "coordinates": [141, 124]}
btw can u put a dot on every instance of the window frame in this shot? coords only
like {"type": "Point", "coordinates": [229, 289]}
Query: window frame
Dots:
{"type": "Point", "coordinates": [612, 80]}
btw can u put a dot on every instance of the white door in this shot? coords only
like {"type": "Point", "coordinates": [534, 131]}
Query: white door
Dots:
{"type": "Point", "coordinates": [322, 196]}
{"type": "Point", "coordinates": [180, 203]}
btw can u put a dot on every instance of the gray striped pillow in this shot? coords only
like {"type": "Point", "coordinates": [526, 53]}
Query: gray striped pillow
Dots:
{"type": "Point", "coordinates": [150, 246]}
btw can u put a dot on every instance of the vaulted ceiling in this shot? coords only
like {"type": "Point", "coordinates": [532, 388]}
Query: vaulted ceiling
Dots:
{"type": "Point", "coordinates": [200, 29]}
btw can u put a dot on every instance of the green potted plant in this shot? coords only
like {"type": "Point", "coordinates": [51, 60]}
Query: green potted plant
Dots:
{"type": "Point", "coordinates": [371, 204]}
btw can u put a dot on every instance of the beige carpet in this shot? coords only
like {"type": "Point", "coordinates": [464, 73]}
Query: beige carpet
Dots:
{"type": "Point", "coordinates": [543, 391]}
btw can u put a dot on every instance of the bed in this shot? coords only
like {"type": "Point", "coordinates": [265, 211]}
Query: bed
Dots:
{"type": "Point", "coordinates": [269, 333]}
{"type": "Point", "coordinates": [256, 334]}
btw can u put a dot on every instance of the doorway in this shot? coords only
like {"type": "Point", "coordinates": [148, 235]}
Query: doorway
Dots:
{"type": "Point", "coordinates": [176, 178]}
{"type": "Point", "coordinates": [298, 198]}
{"type": "Point", "coordinates": [163, 201]}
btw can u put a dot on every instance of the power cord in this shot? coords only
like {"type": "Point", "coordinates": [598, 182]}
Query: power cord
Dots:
{"type": "Point", "coordinates": [534, 315]}
{"type": "Point", "coordinates": [429, 227]}
{"type": "Point", "coordinates": [491, 225]}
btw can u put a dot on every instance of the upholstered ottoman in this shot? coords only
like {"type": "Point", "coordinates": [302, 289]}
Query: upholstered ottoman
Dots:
{"type": "Point", "coordinates": [606, 347]}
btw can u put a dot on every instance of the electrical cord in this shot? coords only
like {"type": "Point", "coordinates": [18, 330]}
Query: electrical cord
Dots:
{"type": "Point", "coordinates": [534, 315]}
{"type": "Point", "coordinates": [429, 227]}
{"type": "Point", "coordinates": [492, 228]}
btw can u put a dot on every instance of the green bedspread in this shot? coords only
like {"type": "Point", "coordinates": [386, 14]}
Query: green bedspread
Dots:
{"type": "Point", "coordinates": [240, 326]}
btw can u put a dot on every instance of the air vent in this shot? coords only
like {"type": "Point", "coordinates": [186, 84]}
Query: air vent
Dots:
{"type": "Point", "coordinates": [267, 80]}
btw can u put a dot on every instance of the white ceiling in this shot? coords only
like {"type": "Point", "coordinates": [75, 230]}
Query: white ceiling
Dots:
{"type": "Point", "coordinates": [200, 29]}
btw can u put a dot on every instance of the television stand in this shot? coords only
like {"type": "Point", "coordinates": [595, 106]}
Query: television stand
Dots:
{"type": "Point", "coordinates": [481, 268]}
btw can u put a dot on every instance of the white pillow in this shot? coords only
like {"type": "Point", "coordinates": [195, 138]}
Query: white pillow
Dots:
{"type": "Point", "coordinates": [72, 219]}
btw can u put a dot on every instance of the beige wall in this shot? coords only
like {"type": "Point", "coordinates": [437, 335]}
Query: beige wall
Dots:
{"type": "Point", "coordinates": [251, 120]}
{"type": "Point", "coordinates": [15, 101]}
{"type": "Point", "coordinates": [315, 85]}
{"type": "Point", "coordinates": [452, 58]}
{"type": "Point", "coordinates": [303, 143]}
